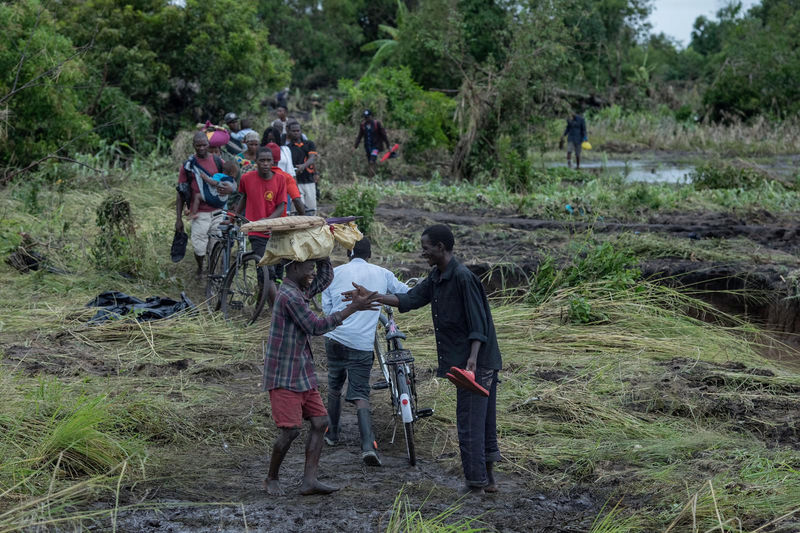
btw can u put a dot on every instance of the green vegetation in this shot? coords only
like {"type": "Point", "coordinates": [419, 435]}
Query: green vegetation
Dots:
{"type": "Point", "coordinates": [404, 519]}
{"type": "Point", "coordinates": [76, 73]}
{"type": "Point", "coordinates": [600, 196]}
{"type": "Point", "coordinates": [395, 98]}
{"type": "Point", "coordinates": [357, 201]}
{"type": "Point", "coordinates": [602, 388]}
{"type": "Point", "coordinates": [614, 267]}
{"type": "Point", "coordinates": [629, 392]}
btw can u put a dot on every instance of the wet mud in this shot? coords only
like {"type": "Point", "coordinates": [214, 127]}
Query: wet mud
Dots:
{"type": "Point", "coordinates": [738, 396]}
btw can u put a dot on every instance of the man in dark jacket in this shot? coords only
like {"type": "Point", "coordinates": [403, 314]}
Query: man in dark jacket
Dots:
{"type": "Point", "coordinates": [575, 133]}
{"type": "Point", "coordinates": [375, 139]}
{"type": "Point", "coordinates": [465, 338]}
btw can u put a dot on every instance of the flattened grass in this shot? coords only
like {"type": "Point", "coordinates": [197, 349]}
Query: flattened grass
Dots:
{"type": "Point", "coordinates": [603, 405]}
{"type": "Point", "coordinates": [616, 406]}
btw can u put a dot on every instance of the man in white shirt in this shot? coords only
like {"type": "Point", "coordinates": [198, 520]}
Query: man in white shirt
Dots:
{"type": "Point", "coordinates": [349, 347]}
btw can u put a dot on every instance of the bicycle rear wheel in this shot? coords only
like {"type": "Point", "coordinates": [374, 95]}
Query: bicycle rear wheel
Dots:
{"type": "Point", "coordinates": [403, 389]}
{"type": "Point", "coordinates": [242, 296]}
{"type": "Point", "coordinates": [216, 275]}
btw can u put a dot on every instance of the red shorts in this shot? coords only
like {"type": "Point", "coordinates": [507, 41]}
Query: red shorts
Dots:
{"type": "Point", "coordinates": [290, 408]}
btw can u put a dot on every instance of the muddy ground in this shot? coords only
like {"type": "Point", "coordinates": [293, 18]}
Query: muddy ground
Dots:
{"type": "Point", "coordinates": [758, 280]}
{"type": "Point", "coordinates": [505, 249]}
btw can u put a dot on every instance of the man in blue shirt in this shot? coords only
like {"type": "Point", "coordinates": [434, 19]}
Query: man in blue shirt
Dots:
{"type": "Point", "coordinates": [350, 346]}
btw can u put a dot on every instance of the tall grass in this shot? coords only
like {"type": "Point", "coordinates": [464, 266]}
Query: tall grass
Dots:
{"type": "Point", "coordinates": [619, 130]}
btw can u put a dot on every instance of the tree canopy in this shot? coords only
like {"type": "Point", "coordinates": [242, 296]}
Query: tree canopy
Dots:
{"type": "Point", "coordinates": [76, 72]}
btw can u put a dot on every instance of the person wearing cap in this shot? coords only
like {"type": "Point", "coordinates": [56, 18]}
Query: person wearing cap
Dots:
{"type": "Point", "coordinates": [349, 347]}
{"type": "Point", "coordinates": [236, 142]}
{"type": "Point", "coordinates": [375, 139]}
{"type": "Point", "coordinates": [465, 338]}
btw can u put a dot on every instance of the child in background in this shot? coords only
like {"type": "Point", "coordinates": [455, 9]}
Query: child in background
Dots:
{"type": "Point", "coordinates": [229, 172]}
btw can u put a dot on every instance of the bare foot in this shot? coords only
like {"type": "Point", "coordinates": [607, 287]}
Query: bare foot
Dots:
{"type": "Point", "coordinates": [273, 486]}
{"type": "Point", "coordinates": [317, 487]}
{"type": "Point", "coordinates": [472, 491]}
{"type": "Point", "coordinates": [491, 487]}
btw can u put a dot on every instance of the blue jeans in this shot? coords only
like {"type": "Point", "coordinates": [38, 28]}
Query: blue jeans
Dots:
{"type": "Point", "coordinates": [476, 420]}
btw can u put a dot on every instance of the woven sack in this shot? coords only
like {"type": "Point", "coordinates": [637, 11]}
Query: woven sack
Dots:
{"type": "Point", "coordinates": [347, 235]}
{"type": "Point", "coordinates": [298, 245]}
{"type": "Point", "coordinates": [283, 224]}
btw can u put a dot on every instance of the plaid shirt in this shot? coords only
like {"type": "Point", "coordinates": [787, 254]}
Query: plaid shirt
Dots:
{"type": "Point", "coordinates": [288, 361]}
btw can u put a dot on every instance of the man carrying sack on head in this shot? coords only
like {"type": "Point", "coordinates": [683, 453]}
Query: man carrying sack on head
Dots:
{"type": "Point", "coordinates": [289, 366]}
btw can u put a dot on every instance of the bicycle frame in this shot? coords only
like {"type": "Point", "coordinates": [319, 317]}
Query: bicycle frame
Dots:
{"type": "Point", "coordinates": [231, 236]}
{"type": "Point", "coordinates": [397, 366]}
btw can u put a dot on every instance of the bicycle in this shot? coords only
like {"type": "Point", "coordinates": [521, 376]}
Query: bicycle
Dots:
{"type": "Point", "coordinates": [235, 281]}
{"type": "Point", "coordinates": [397, 365]}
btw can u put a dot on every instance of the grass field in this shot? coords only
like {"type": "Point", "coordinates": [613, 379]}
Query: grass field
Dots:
{"type": "Point", "coordinates": [677, 423]}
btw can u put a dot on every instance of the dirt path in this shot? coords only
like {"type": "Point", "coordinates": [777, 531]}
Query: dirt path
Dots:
{"type": "Point", "coordinates": [366, 496]}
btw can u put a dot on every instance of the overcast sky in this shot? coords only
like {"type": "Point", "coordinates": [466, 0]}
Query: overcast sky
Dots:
{"type": "Point", "coordinates": [675, 17]}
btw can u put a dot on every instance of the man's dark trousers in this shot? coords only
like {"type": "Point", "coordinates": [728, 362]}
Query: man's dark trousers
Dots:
{"type": "Point", "coordinates": [476, 419]}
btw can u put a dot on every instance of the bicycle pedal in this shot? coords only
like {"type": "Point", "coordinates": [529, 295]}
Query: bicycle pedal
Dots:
{"type": "Point", "coordinates": [380, 385]}
{"type": "Point", "coordinates": [236, 305]}
{"type": "Point", "coordinates": [424, 413]}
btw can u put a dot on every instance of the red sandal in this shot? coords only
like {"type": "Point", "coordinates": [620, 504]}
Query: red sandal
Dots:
{"type": "Point", "coordinates": [465, 379]}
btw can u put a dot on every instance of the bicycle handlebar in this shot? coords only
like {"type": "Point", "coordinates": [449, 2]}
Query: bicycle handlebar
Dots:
{"type": "Point", "coordinates": [231, 214]}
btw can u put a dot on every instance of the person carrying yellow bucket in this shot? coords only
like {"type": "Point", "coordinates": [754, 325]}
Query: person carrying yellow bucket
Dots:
{"type": "Point", "coordinates": [575, 133]}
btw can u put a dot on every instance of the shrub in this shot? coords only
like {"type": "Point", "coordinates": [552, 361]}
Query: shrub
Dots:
{"type": "Point", "coordinates": [357, 201]}
{"type": "Point", "coordinates": [43, 108]}
{"type": "Point", "coordinates": [616, 268]}
{"type": "Point", "coordinates": [113, 248]}
{"type": "Point", "coordinates": [719, 175]}
{"type": "Point", "coordinates": [400, 103]}
{"type": "Point", "coordinates": [642, 195]}
{"type": "Point", "coordinates": [581, 312]}
{"type": "Point", "coordinates": [516, 169]}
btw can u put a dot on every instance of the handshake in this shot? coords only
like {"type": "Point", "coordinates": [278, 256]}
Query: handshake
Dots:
{"type": "Point", "coordinates": [362, 299]}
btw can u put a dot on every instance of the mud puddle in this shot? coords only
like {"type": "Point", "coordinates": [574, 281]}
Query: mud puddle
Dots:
{"type": "Point", "coordinates": [644, 170]}
{"type": "Point", "coordinates": [364, 501]}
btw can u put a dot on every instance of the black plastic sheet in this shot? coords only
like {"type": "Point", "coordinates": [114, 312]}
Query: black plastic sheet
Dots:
{"type": "Point", "coordinates": [118, 305]}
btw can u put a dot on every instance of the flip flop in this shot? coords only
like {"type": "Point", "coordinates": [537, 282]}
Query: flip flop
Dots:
{"type": "Point", "coordinates": [465, 379]}
{"type": "Point", "coordinates": [178, 249]}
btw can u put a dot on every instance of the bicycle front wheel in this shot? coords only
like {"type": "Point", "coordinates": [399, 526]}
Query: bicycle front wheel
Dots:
{"type": "Point", "coordinates": [242, 296]}
{"type": "Point", "coordinates": [405, 394]}
{"type": "Point", "coordinates": [216, 275]}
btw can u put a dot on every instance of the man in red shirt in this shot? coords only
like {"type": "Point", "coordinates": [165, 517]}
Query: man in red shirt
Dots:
{"type": "Point", "coordinates": [263, 196]}
{"type": "Point", "coordinates": [189, 182]}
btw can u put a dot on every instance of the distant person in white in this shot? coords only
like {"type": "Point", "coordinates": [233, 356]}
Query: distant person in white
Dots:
{"type": "Point", "coordinates": [349, 346]}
